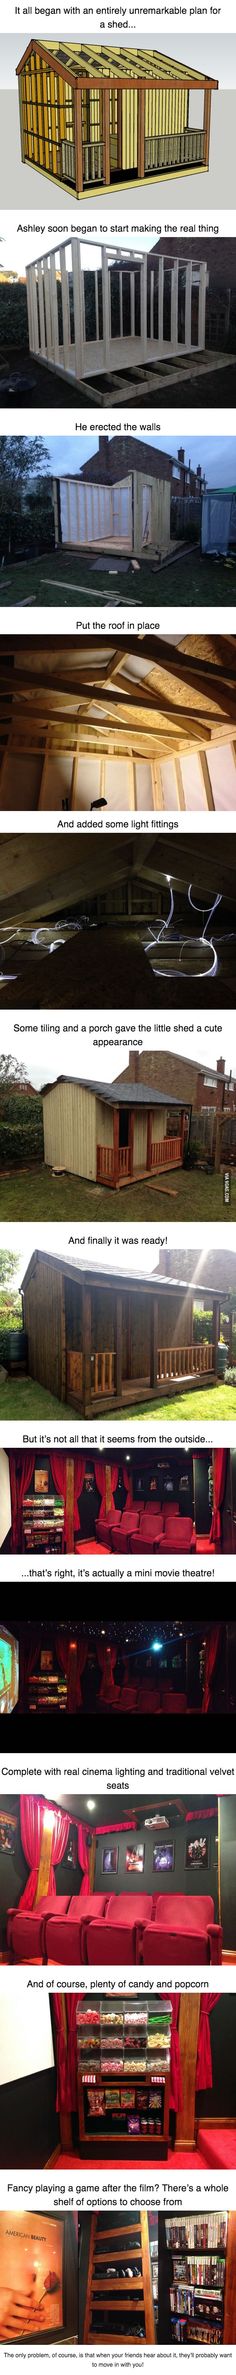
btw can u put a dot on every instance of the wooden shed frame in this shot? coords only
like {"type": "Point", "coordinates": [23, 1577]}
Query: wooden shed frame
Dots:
{"type": "Point", "coordinates": [98, 117]}
{"type": "Point", "coordinates": [113, 1133]}
{"type": "Point", "coordinates": [63, 725]}
{"type": "Point", "coordinates": [129, 514]}
{"type": "Point", "coordinates": [61, 335]}
{"type": "Point", "coordinates": [101, 1339]}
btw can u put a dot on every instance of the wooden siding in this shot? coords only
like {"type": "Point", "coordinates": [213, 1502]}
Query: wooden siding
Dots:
{"type": "Point", "coordinates": [140, 1139]}
{"type": "Point", "coordinates": [160, 512]}
{"type": "Point", "coordinates": [175, 1322]}
{"type": "Point", "coordinates": [104, 1123]}
{"type": "Point", "coordinates": [69, 1113]}
{"type": "Point", "coordinates": [43, 1311]}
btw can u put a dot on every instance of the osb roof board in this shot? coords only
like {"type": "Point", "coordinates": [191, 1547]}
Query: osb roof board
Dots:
{"type": "Point", "coordinates": [95, 63]}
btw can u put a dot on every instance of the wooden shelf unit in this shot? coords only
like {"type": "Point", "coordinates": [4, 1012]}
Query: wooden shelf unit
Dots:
{"type": "Point", "coordinates": [108, 2066]}
{"type": "Point", "coordinates": [127, 2299]}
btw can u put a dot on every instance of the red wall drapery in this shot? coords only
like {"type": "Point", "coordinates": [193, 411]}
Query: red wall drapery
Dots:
{"type": "Point", "coordinates": [58, 1468]}
{"type": "Point", "coordinates": [100, 1481]}
{"type": "Point", "coordinates": [212, 1648]}
{"type": "Point", "coordinates": [31, 1823]}
{"type": "Point", "coordinates": [79, 1476]}
{"type": "Point", "coordinates": [204, 2061]}
{"type": "Point", "coordinates": [83, 1858]}
{"type": "Point", "coordinates": [32, 1814]}
{"type": "Point", "coordinates": [219, 1483]}
{"type": "Point", "coordinates": [20, 1485]}
{"type": "Point", "coordinates": [107, 1655]}
{"type": "Point", "coordinates": [103, 1828]}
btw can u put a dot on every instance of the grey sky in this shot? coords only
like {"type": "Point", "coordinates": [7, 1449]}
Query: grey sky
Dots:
{"type": "Point", "coordinates": [217, 455]}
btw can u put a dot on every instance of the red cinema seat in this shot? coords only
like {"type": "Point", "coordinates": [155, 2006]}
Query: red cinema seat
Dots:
{"type": "Point", "coordinates": [119, 1939]}
{"type": "Point", "coordinates": [104, 1528]}
{"type": "Point", "coordinates": [179, 1533]}
{"type": "Point", "coordinates": [130, 1524]}
{"type": "Point", "coordinates": [184, 1929]}
{"type": "Point", "coordinates": [174, 1702]}
{"type": "Point", "coordinates": [151, 1529]}
{"type": "Point", "coordinates": [65, 1937]}
{"type": "Point", "coordinates": [26, 1931]}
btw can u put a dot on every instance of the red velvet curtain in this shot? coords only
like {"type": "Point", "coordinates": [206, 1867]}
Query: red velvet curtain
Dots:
{"type": "Point", "coordinates": [100, 1481]}
{"type": "Point", "coordinates": [79, 1475]}
{"type": "Point", "coordinates": [212, 1648]}
{"type": "Point", "coordinates": [58, 1468]}
{"type": "Point", "coordinates": [107, 1655]}
{"type": "Point", "coordinates": [219, 1483]}
{"type": "Point", "coordinates": [61, 2052]}
{"type": "Point", "coordinates": [103, 1828]}
{"type": "Point", "coordinates": [83, 1858]}
{"type": "Point", "coordinates": [204, 2061]}
{"type": "Point", "coordinates": [176, 2095]}
{"type": "Point", "coordinates": [66, 2051]}
{"type": "Point", "coordinates": [31, 1823]}
{"type": "Point", "coordinates": [20, 1481]}
{"type": "Point", "coordinates": [32, 1814]}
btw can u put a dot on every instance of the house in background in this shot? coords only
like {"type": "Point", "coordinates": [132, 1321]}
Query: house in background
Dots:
{"type": "Point", "coordinates": [95, 117]}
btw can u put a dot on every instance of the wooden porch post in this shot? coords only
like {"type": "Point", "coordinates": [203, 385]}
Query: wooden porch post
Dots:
{"type": "Point", "coordinates": [153, 1340]}
{"type": "Point", "coordinates": [116, 1144]}
{"type": "Point", "coordinates": [118, 1345]}
{"type": "Point", "coordinates": [106, 137]}
{"type": "Point", "coordinates": [78, 144]}
{"type": "Point", "coordinates": [141, 135]}
{"type": "Point", "coordinates": [149, 1140]}
{"type": "Point", "coordinates": [206, 127]}
{"type": "Point", "coordinates": [215, 1332]}
{"type": "Point", "coordinates": [87, 1343]}
{"type": "Point", "coordinates": [131, 1144]}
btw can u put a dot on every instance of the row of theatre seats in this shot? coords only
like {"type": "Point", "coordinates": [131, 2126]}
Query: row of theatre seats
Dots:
{"type": "Point", "coordinates": [126, 1929]}
{"type": "Point", "coordinates": [146, 1529]}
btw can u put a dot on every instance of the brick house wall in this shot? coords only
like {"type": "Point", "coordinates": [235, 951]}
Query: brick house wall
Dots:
{"type": "Point", "coordinates": [180, 1077]}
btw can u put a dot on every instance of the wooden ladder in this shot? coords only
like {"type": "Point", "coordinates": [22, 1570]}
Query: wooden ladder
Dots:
{"type": "Point", "coordinates": [130, 2298]}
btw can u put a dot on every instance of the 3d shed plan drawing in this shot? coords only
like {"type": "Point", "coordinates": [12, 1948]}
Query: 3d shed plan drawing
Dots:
{"type": "Point", "coordinates": [97, 117]}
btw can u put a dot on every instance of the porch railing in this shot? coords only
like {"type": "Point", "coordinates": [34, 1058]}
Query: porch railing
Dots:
{"type": "Point", "coordinates": [105, 1162]}
{"type": "Point", "coordinates": [184, 1360]}
{"type": "Point", "coordinates": [165, 1150]}
{"type": "Point", "coordinates": [173, 148]}
{"type": "Point", "coordinates": [103, 1372]}
{"type": "Point", "coordinates": [93, 160]}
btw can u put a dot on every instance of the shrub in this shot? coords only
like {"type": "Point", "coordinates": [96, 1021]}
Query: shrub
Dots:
{"type": "Point", "coordinates": [21, 1131]}
{"type": "Point", "coordinates": [13, 315]}
{"type": "Point", "coordinates": [230, 1377]}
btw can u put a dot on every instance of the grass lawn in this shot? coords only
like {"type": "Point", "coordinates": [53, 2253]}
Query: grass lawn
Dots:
{"type": "Point", "coordinates": [21, 1397]}
{"type": "Point", "coordinates": [63, 578]}
{"type": "Point", "coordinates": [221, 1403]}
{"type": "Point", "coordinates": [36, 1195]}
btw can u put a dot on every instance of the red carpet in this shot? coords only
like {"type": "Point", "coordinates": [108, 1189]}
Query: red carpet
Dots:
{"type": "Point", "coordinates": [175, 2160]}
{"type": "Point", "coordinates": [218, 2146]}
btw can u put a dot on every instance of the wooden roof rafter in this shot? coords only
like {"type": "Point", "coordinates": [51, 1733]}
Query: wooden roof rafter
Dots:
{"type": "Point", "coordinates": [93, 65]}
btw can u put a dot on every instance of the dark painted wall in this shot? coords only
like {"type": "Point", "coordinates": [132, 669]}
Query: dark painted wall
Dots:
{"type": "Point", "coordinates": [228, 1871]}
{"type": "Point", "coordinates": [195, 1883]}
{"type": "Point", "coordinates": [29, 2127]}
{"type": "Point", "coordinates": [220, 2100]}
